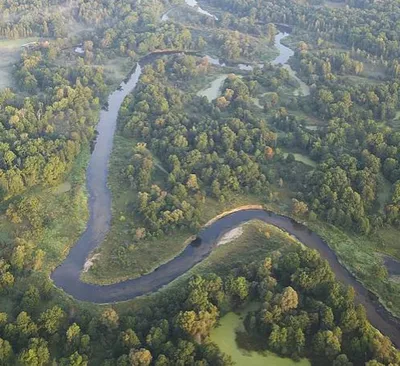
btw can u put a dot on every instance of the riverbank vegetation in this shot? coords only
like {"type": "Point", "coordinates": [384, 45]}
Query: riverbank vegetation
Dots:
{"type": "Point", "coordinates": [353, 206]}
{"type": "Point", "coordinates": [330, 158]}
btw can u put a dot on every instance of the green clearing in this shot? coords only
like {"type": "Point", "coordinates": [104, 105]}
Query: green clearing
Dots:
{"type": "Point", "coordinates": [372, 70]}
{"type": "Point", "coordinates": [69, 213]}
{"type": "Point", "coordinates": [384, 192]}
{"type": "Point", "coordinates": [334, 4]}
{"type": "Point", "coordinates": [302, 159]}
{"type": "Point", "coordinates": [225, 334]}
{"type": "Point", "coordinates": [309, 121]}
{"type": "Point", "coordinates": [116, 70]}
{"type": "Point", "coordinates": [10, 51]}
{"type": "Point", "coordinates": [395, 122]}
{"type": "Point", "coordinates": [355, 79]}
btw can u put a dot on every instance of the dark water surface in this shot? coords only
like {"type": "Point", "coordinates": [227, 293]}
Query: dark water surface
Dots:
{"type": "Point", "coordinates": [67, 275]}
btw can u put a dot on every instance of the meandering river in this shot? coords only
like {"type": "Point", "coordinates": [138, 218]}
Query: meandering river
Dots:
{"type": "Point", "coordinates": [67, 275]}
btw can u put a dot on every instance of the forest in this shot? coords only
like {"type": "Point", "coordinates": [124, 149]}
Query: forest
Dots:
{"type": "Point", "coordinates": [330, 158]}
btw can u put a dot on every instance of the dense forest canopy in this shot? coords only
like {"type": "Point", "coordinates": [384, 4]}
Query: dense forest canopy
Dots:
{"type": "Point", "coordinates": [185, 152]}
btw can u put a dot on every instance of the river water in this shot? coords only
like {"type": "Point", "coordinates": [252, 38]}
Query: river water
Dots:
{"type": "Point", "coordinates": [213, 91]}
{"type": "Point", "coordinates": [67, 275]}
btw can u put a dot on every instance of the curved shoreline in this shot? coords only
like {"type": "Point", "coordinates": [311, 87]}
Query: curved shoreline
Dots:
{"type": "Point", "coordinates": [203, 245]}
{"type": "Point", "coordinates": [67, 275]}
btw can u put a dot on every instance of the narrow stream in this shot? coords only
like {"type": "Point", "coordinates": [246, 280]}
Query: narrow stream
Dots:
{"type": "Point", "coordinates": [194, 4]}
{"type": "Point", "coordinates": [67, 275]}
{"type": "Point", "coordinates": [284, 54]}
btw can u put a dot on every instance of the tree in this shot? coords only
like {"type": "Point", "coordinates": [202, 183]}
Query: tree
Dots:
{"type": "Point", "coordinates": [140, 357]}
{"type": "Point", "coordinates": [237, 287]}
{"type": "Point", "coordinates": [52, 319]}
{"type": "Point", "coordinates": [6, 281]}
{"type": "Point", "coordinates": [18, 257]}
{"type": "Point", "coordinates": [299, 341]}
{"type": "Point", "coordinates": [197, 325]}
{"type": "Point", "coordinates": [277, 340]}
{"type": "Point", "coordinates": [327, 319]}
{"type": "Point", "coordinates": [342, 360]}
{"type": "Point", "coordinates": [6, 353]}
{"type": "Point", "coordinates": [128, 340]}
{"type": "Point", "coordinates": [268, 152]}
{"type": "Point", "coordinates": [30, 300]}
{"type": "Point", "coordinates": [38, 261]}
{"type": "Point", "coordinates": [73, 335]}
{"type": "Point", "coordinates": [288, 299]}
{"type": "Point", "coordinates": [75, 360]}
{"type": "Point", "coordinates": [298, 207]}
{"type": "Point", "coordinates": [396, 193]}
{"type": "Point", "coordinates": [110, 319]}
{"type": "Point", "coordinates": [349, 320]}
{"type": "Point", "coordinates": [192, 182]}
{"type": "Point", "coordinates": [162, 360]}
{"type": "Point", "coordinates": [374, 363]}
{"type": "Point", "coordinates": [155, 338]}
{"type": "Point", "coordinates": [37, 353]}
{"type": "Point", "coordinates": [326, 344]}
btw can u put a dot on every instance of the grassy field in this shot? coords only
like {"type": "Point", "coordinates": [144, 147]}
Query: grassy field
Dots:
{"type": "Point", "coordinates": [69, 210]}
{"type": "Point", "coordinates": [334, 4]}
{"type": "Point", "coordinates": [310, 121]}
{"type": "Point", "coordinates": [10, 51]}
{"type": "Point", "coordinates": [384, 192]}
{"type": "Point", "coordinates": [302, 158]}
{"type": "Point", "coordinates": [116, 70]}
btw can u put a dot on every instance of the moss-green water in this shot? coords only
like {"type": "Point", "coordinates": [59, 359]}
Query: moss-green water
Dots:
{"type": "Point", "coordinates": [225, 337]}
{"type": "Point", "coordinates": [214, 90]}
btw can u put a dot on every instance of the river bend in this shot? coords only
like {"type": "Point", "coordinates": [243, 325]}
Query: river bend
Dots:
{"type": "Point", "coordinates": [67, 275]}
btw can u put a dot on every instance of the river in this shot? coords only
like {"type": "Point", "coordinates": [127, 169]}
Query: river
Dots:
{"type": "Point", "coordinates": [284, 54]}
{"type": "Point", "coordinates": [214, 90]}
{"type": "Point", "coordinates": [67, 275]}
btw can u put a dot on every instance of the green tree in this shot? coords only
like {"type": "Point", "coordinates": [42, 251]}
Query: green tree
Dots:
{"type": "Point", "coordinates": [6, 353]}
{"type": "Point", "coordinates": [52, 319]}
{"type": "Point", "coordinates": [128, 340]}
{"type": "Point", "coordinates": [342, 360]}
{"type": "Point", "coordinates": [288, 299]}
{"type": "Point", "coordinates": [140, 357]}
{"type": "Point", "coordinates": [31, 299]}
{"type": "Point", "coordinates": [37, 353]}
{"type": "Point", "coordinates": [110, 319]}
{"type": "Point", "coordinates": [326, 344]}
